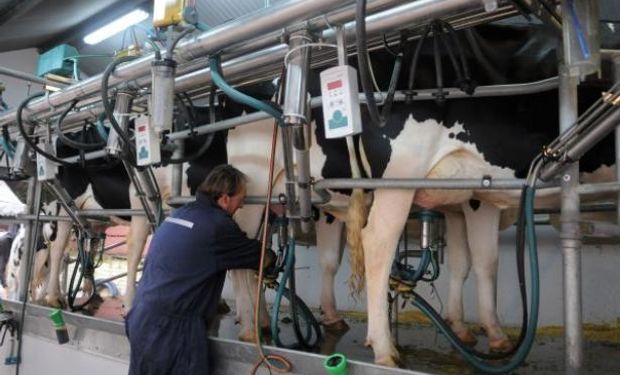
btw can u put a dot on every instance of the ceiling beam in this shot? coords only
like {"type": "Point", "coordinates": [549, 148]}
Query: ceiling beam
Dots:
{"type": "Point", "coordinates": [14, 8]}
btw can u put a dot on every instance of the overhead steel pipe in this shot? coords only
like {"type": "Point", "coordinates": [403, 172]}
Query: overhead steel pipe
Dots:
{"type": "Point", "coordinates": [212, 41]}
{"type": "Point", "coordinates": [28, 77]}
{"type": "Point", "coordinates": [135, 73]}
{"type": "Point", "coordinates": [415, 12]}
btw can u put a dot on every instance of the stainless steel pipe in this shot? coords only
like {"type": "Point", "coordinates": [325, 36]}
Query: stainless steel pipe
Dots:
{"type": "Point", "coordinates": [213, 41]}
{"type": "Point", "coordinates": [571, 235]}
{"type": "Point", "coordinates": [28, 77]}
{"type": "Point", "coordinates": [135, 73]}
{"type": "Point", "coordinates": [422, 183]}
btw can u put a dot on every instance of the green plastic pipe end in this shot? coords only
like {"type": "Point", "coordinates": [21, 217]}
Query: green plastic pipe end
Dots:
{"type": "Point", "coordinates": [57, 319]}
{"type": "Point", "coordinates": [336, 364]}
{"type": "Point", "coordinates": [62, 334]}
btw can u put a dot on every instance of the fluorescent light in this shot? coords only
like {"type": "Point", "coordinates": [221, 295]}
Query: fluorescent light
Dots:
{"type": "Point", "coordinates": [116, 26]}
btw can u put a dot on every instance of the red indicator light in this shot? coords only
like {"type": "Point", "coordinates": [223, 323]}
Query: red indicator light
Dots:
{"type": "Point", "coordinates": [334, 85]}
{"type": "Point", "coordinates": [141, 128]}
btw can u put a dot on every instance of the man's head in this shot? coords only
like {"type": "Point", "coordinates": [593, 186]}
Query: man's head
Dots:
{"type": "Point", "coordinates": [225, 185]}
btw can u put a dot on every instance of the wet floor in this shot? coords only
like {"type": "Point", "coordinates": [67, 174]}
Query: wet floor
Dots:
{"type": "Point", "coordinates": [423, 349]}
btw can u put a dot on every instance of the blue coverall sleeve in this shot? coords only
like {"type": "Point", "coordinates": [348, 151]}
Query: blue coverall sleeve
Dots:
{"type": "Point", "coordinates": [237, 250]}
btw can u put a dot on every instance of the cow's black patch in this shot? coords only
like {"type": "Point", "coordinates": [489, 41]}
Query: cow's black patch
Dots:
{"type": "Point", "coordinates": [507, 131]}
{"type": "Point", "coordinates": [109, 179]}
{"type": "Point", "coordinates": [474, 204]}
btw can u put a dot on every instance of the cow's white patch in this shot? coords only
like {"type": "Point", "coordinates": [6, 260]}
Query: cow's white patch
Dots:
{"type": "Point", "coordinates": [426, 149]}
{"type": "Point", "coordinates": [181, 222]}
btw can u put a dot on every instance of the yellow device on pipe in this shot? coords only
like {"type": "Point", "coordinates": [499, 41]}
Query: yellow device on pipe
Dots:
{"type": "Point", "coordinates": [168, 12]}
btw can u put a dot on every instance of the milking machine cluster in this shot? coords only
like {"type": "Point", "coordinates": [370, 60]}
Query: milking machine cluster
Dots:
{"type": "Point", "coordinates": [404, 276]}
{"type": "Point", "coordinates": [308, 334]}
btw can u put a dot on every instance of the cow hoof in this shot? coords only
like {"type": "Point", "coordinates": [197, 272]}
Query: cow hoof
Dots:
{"type": "Point", "coordinates": [463, 334]}
{"type": "Point", "coordinates": [389, 361]}
{"type": "Point", "coordinates": [467, 338]}
{"type": "Point", "coordinates": [337, 326]}
{"type": "Point", "coordinates": [247, 337]}
{"type": "Point", "coordinates": [500, 345]}
{"type": "Point", "coordinates": [265, 331]}
{"type": "Point", "coordinates": [56, 303]}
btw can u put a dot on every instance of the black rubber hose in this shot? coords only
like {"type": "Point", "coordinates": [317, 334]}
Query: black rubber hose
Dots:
{"type": "Point", "coordinates": [109, 111]}
{"type": "Point", "coordinates": [467, 85]}
{"type": "Point", "coordinates": [416, 57]}
{"type": "Point", "coordinates": [389, 99]}
{"type": "Point", "coordinates": [301, 338]}
{"type": "Point", "coordinates": [68, 141]}
{"type": "Point", "coordinates": [26, 136]}
{"type": "Point", "coordinates": [440, 96]}
{"type": "Point", "coordinates": [494, 74]}
{"type": "Point", "coordinates": [191, 103]}
{"type": "Point", "coordinates": [363, 64]}
{"type": "Point", "coordinates": [205, 146]}
{"type": "Point", "coordinates": [84, 262]}
{"type": "Point", "coordinates": [448, 48]}
{"type": "Point", "coordinates": [520, 254]}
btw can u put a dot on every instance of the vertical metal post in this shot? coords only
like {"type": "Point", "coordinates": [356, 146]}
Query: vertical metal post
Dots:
{"type": "Point", "coordinates": [570, 234]}
{"type": "Point", "coordinates": [32, 202]}
{"type": "Point", "coordinates": [176, 183]}
{"type": "Point", "coordinates": [616, 61]}
{"type": "Point", "coordinates": [342, 45]}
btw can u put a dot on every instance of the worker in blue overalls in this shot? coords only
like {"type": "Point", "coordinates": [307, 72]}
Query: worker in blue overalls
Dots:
{"type": "Point", "coordinates": [183, 278]}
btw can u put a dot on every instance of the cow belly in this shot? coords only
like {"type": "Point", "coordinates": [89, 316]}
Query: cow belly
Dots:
{"type": "Point", "coordinates": [457, 164]}
{"type": "Point", "coordinates": [434, 198]}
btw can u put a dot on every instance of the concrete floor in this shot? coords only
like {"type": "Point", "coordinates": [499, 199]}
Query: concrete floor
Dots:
{"type": "Point", "coordinates": [423, 349]}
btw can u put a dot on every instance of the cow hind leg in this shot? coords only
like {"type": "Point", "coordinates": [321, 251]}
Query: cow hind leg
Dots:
{"type": "Point", "coordinates": [330, 244]}
{"type": "Point", "coordinates": [40, 275]}
{"type": "Point", "coordinates": [138, 232]}
{"type": "Point", "coordinates": [459, 264]}
{"type": "Point", "coordinates": [57, 252]}
{"type": "Point", "coordinates": [244, 285]}
{"type": "Point", "coordinates": [482, 233]}
{"type": "Point", "coordinates": [244, 282]}
{"type": "Point", "coordinates": [386, 221]}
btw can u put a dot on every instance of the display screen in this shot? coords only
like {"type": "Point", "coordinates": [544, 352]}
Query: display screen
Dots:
{"type": "Point", "coordinates": [334, 85]}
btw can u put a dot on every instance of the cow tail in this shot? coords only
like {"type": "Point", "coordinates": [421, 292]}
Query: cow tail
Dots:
{"type": "Point", "coordinates": [356, 220]}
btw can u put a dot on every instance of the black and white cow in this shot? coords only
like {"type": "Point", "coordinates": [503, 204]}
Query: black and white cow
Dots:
{"type": "Point", "coordinates": [105, 185]}
{"type": "Point", "coordinates": [460, 138]}
{"type": "Point", "coordinates": [6, 240]}
{"type": "Point", "coordinates": [14, 240]}
{"type": "Point", "coordinates": [464, 138]}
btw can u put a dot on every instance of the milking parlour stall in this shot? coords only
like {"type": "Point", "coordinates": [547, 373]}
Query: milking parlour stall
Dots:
{"type": "Point", "coordinates": [436, 179]}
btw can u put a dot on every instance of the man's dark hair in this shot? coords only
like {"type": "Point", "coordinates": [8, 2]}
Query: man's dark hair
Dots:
{"type": "Point", "coordinates": [223, 179]}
